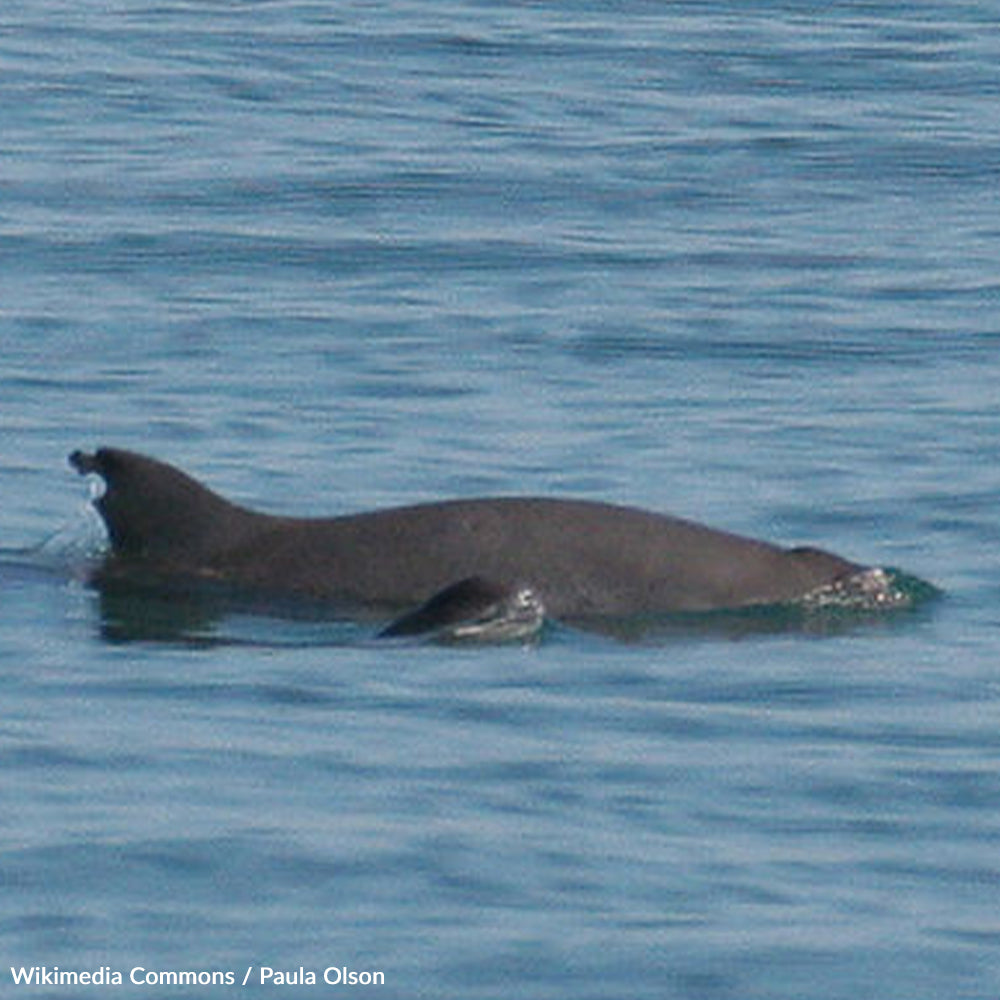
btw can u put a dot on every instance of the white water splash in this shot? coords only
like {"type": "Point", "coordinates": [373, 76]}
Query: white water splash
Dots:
{"type": "Point", "coordinates": [870, 590]}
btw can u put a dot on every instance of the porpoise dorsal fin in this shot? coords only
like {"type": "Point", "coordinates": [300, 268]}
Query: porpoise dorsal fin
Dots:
{"type": "Point", "coordinates": [155, 512]}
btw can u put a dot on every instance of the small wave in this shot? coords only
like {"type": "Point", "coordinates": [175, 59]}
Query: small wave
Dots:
{"type": "Point", "coordinates": [72, 548]}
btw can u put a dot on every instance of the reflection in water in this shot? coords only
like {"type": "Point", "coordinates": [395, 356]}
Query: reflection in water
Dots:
{"type": "Point", "coordinates": [207, 615]}
{"type": "Point", "coordinates": [172, 611]}
{"type": "Point", "coordinates": [144, 607]}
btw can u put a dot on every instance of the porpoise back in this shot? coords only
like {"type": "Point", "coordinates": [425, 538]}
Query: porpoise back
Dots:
{"type": "Point", "coordinates": [582, 559]}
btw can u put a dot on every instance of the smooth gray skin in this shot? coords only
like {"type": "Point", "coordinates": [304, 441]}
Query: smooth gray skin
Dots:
{"type": "Point", "coordinates": [583, 560]}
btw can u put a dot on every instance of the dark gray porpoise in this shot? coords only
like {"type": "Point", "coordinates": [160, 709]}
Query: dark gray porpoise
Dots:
{"type": "Point", "coordinates": [582, 559]}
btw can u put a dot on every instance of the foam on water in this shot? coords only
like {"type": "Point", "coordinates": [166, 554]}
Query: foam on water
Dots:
{"type": "Point", "coordinates": [873, 589]}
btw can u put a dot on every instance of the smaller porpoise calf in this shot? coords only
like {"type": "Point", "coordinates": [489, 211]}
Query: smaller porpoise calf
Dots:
{"type": "Point", "coordinates": [483, 568]}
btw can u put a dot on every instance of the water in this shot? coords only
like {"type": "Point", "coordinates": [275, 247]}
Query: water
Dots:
{"type": "Point", "coordinates": [734, 264]}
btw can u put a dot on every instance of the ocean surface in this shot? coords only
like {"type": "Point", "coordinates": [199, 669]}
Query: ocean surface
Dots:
{"type": "Point", "coordinates": [737, 262]}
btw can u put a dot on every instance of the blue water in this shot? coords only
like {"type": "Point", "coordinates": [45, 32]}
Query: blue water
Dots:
{"type": "Point", "coordinates": [736, 262]}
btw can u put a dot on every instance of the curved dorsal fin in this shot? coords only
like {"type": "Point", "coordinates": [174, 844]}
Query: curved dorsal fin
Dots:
{"type": "Point", "coordinates": [155, 512]}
